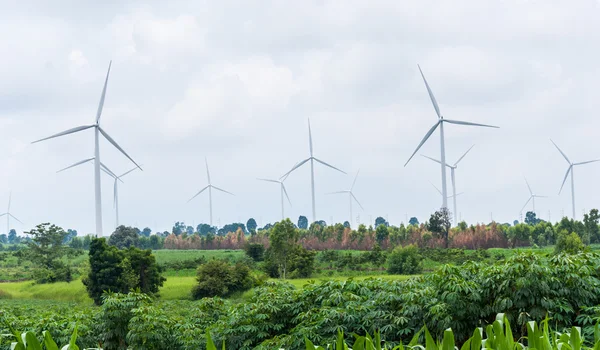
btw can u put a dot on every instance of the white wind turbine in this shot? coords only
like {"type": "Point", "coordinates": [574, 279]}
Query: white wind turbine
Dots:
{"type": "Point", "coordinates": [532, 197]}
{"type": "Point", "coordinates": [312, 159]}
{"type": "Point", "coordinates": [452, 168]}
{"type": "Point", "coordinates": [9, 215]}
{"type": "Point", "coordinates": [571, 170]}
{"type": "Point", "coordinates": [97, 131]}
{"type": "Point", "coordinates": [351, 196]}
{"type": "Point", "coordinates": [440, 192]}
{"type": "Point", "coordinates": [210, 186]}
{"type": "Point", "coordinates": [440, 123]}
{"type": "Point", "coordinates": [283, 192]}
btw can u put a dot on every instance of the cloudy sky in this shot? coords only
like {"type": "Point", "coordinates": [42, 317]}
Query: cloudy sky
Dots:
{"type": "Point", "coordinates": [237, 81]}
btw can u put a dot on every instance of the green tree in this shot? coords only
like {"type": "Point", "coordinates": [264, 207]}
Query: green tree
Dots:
{"type": "Point", "coordinates": [302, 222]}
{"type": "Point", "coordinates": [46, 250]}
{"type": "Point", "coordinates": [381, 221]}
{"type": "Point", "coordinates": [251, 225]}
{"type": "Point", "coordinates": [3, 238]}
{"type": "Point", "coordinates": [12, 237]}
{"type": "Point", "coordinates": [531, 218]}
{"type": "Point", "coordinates": [518, 233]}
{"type": "Point", "coordinates": [144, 266]}
{"type": "Point", "coordinates": [381, 233]}
{"type": "Point", "coordinates": [124, 237]}
{"type": "Point", "coordinates": [590, 221]}
{"type": "Point", "coordinates": [205, 229]}
{"type": "Point", "coordinates": [413, 221]}
{"type": "Point", "coordinates": [255, 251]}
{"type": "Point", "coordinates": [439, 224]}
{"type": "Point", "coordinates": [146, 232]}
{"type": "Point", "coordinates": [283, 238]}
{"type": "Point", "coordinates": [218, 278]}
{"type": "Point", "coordinates": [568, 243]}
{"type": "Point", "coordinates": [405, 261]}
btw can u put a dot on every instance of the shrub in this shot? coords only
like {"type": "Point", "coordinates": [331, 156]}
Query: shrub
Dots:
{"type": "Point", "coordinates": [568, 243]}
{"type": "Point", "coordinates": [405, 261]}
{"type": "Point", "coordinates": [218, 278]}
{"type": "Point", "coordinates": [256, 251]}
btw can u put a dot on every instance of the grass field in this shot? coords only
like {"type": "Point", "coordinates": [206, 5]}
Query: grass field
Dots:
{"type": "Point", "coordinates": [168, 255]}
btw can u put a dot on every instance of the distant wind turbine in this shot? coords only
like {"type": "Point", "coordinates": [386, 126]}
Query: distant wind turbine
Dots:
{"type": "Point", "coordinates": [571, 170]}
{"type": "Point", "coordinates": [283, 192]}
{"type": "Point", "coordinates": [440, 123]}
{"type": "Point", "coordinates": [452, 168]}
{"type": "Point", "coordinates": [9, 215]}
{"type": "Point", "coordinates": [97, 131]}
{"type": "Point", "coordinates": [210, 186]}
{"type": "Point", "coordinates": [440, 192]}
{"type": "Point", "coordinates": [351, 196]}
{"type": "Point", "coordinates": [532, 197]}
{"type": "Point", "coordinates": [312, 170]}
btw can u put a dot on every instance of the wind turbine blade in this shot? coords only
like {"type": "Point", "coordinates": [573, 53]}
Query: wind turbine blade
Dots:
{"type": "Point", "coordinates": [354, 182]}
{"type": "Point", "coordinates": [1, 215]}
{"type": "Point", "coordinates": [529, 187]}
{"type": "Point", "coordinates": [268, 180]}
{"type": "Point", "coordinates": [437, 189]}
{"type": "Point", "coordinates": [337, 192]}
{"type": "Point", "coordinates": [435, 104]}
{"type": "Point", "coordinates": [107, 170]}
{"type": "Point", "coordinates": [360, 205]}
{"type": "Point", "coordinates": [459, 159]}
{"type": "Point", "coordinates": [536, 196]}
{"type": "Point", "coordinates": [435, 160]}
{"type": "Point", "coordinates": [101, 104]}
{"type": "Point", "coordinates": [127, 172]}
{"type": "Point", "coordinates": [207, 173]}
{"type": "Point", "coordinates": [566, 175]}
{"type": "Point", "coordinates": [197, 194]}
{"type": "Point", "coordinates": [12, 216]}
{"type": "Point", "coordinates": [286, 175]}
{"type": "Point", "coordinates": [9, 200]}
{"type": "Point", "coordinates": [561, 152]}
{"type": "Point", "coordinates": [114, 143]}
{"type": "Point", "coordinates": [286, 194]}
{"type": "Point", "coordinates": [423, 141]}
{"type": "Point", "coordinates": [76, 164]}
{"type": "Point", "coordinates": [310, 138]}
{"type": "Point", "coordinates": [66, 132]}
{"type": "Point", "coordinates": [222, 190]}
{"type": "Point", "coordinates": [587, 162]}
{"type": "Point", "coordinates": [329, 165]}
{"type": "Point", "coordinates": [525, 204]}
{"type": "Point", "coordinates": [295, 167]}
{"type": "Point", "coordinates": [460, 122]}
{"type": "Point", "coordinates": [459, 193]}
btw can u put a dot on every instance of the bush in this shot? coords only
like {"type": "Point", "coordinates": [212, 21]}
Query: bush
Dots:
{"type": "Point", "coordinates": [405, 261]}
{"type": "Point", "coordinates": [568, 243]}
{"type": "Point", "coordinates": [218, 278]}
{"type": "Point", "coordinates": [256, 251]}
{"type": "Point", "coordinates": [300, 263]}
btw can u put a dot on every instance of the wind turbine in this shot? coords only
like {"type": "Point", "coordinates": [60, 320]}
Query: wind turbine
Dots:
{"type": "Point", "coordinates": [210, 186]}
{"type": "Point", "coordinates": [9, 215]}
{"type": "Point", "coordinates": [532, 197]}
{"type": "Point", "coordinates": [97, 131]}
{"type": "Point", "coordinates": [452, 168]}
{"type": "Point", "coordinates": [351, 196]}
{"type": "Point", "coordinates": [440, 192]}
{"type": "Point", "coordinates": [440, 123]}
{"type": "Point", "coordinates": [312, 160]}
{"type": "Point", "coordinates": [283, 192]}
{"type": "Point", "coordinates": [571, 170]}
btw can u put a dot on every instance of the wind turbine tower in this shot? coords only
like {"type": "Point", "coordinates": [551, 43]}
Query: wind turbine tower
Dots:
{"type": "Point", "coordinates": [210, 186]}
{"type": "Point", "coordinates": [351, 196]}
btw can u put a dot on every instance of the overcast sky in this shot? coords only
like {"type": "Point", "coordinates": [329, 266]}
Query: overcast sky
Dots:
{"type": "Point", "coordinates": [236, 81]}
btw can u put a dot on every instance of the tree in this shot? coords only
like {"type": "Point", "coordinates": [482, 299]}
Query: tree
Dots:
{"type": "Point", "coordinates": [346, 224]}
{"type": "Point", "coordinates": [531, 219]}
{"type": "Point", "coordinates": [413, 221]}
{"type": "Point", "coordinates": [46, 250]}
{"type": "Point", "coordinates": [302, 222]}
{"type": "Point", "coordinates": [218, 278]}
{"type": "Point", "coordinates": [3, 238]}
{"type": "Point", "coordinates": [70, 235]}
{"type": "Point", "coordinates": [282, 238]}
{"type": "Point", "coordinates": [381, 233]}
{"type": "Point", "coordinates": [146, 232]}
{"type": "Point", "coordinates": [568, 243]}
{"type": "Point", "coordinates": [405, 261]}
{"type": "Point", "coordinates": [381, 221]}
{"type": "Point", "coordinates": [590, 221]}
{"type": "Point", "coordinates": [518, 233]}
{"type": "Point", "coordinates": [231, 228]}
{"type": "Point", "coordinates": [251, 225]}
{"type": "Point", "coordinates": [120, 271]}
{"type": "Point", "coordinates": [124, 237]}
{"type": "Point", "coordinates": [12, 237]}
{"type": "Point", "coordinates": [439, 224]}
{"type": "Point", "coordinates": [204, 229]}
{"type": "Point", "coordinates": [255, 251]}
{"type": "Point", "coordinates": [178, 228]}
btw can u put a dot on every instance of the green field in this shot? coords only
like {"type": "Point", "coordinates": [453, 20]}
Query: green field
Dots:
{"type": "Point", "coordinates": [167, 255]}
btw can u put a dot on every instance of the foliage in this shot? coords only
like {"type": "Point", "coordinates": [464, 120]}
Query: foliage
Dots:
{"type": "Point", "coordinates": [46, 251]}
{"type": "Point", "coordinates": [531, 218]}
{"type": "Point", "coordinates": [117, 311]}
{"type": "Point", "coordinates": [405, 261]}
{"type": "Point", "coordinates": [120, 271]}
{"type": "Point", "coordinates": [568, 243]}
{"type": "Point", "coordinates": [413, 221]}
{"type": "Point", "coordinates": [255, 251]}
{"type": "Point", "coordinates": [440, 223]}
{"type": "Point", "coordinates": [381, 221]}
{"type": "Point", "coordinates": [251, 225]}
{"type": "Point", "coordinates": [283, 239]}
{"type": "Point", "coordinates": [220, 278]}
{"type": "Point", "coordinates": [302, 222]}
{"type": "Point", "coordinates": [124, 237]}
{"type": "Point", "coordinates": [381, 233]}
{"type": "Point", "coordinates": [590, 221]}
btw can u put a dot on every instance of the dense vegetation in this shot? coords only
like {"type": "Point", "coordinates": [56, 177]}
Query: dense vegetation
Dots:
{"type": "Point", "coordinates": [526, 287]}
